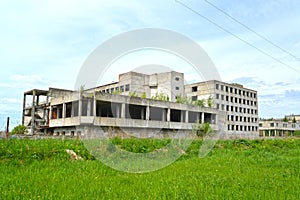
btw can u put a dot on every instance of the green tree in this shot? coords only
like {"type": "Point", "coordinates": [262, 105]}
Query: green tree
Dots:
{"type": "Point", "coordinates": [297, 133]}
{"type": "Point", "coordinates": [160, 97]}
{"type": "Point", "coordinates": [294, 120]}
{"type": "Point", "coordinates": [202, 129]}
{"type": "Point", "coordinates": [133, 94]}
{"type": "Point", "coordinates": [144, 96]}
{"type": "Point", "coordinates": [210, 101]}
{"type": "Point", "coordinates": [181, 99]}
{"type": "Point", "coordinates": [200, 103]}
{"type": "Point", "coordinates": [20, 129]}
{"type": "Point", "coordinates": [285, 119]}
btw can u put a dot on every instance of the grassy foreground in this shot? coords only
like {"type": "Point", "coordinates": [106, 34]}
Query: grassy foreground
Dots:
{"type": "Point", "coordinates": [234, 169]}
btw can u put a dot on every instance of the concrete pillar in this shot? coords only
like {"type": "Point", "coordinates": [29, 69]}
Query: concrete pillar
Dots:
{"type": "Point", "coordinates": [186, 116]}
{"type": "Point", "coordinates": [182, 116]}
{"type": "Point", "coordinates": [164, 115]}
{"type": "Point", "coordinates": [50, 112]}
{"type": "Point", "coordinates": [148, 113]}
{"type": "Point", "coordinates": [264, 133]}
{"type": "Point", "coordinates": [37, 99]}
{"type": "Point", "coordinates": [79, 107]}
{"type": "Point", "coordinates": [58, 112]}
{"type": "Point", "coordinates": [197, 116]}
{"type": "Point", "coordinates": [123, 109]}
{"type": "Point", "coordinates": [142, 113]}
{"type": "Point", "coordinates": [168, 114]}
{"type": "Point", "coordinates": [33, 112]}
{"type": "Point", "coordinates": [24, 104]}
{"type": "Point", "coordinates": [64, 111]}
{"type": "Point", "coordinates": [95, 106]}
{"type": "Point", "coordinates": [118, 110]}
{"type": "Point", "coordinates": [202, 117]}
{"type": "Point", "coordinates": [89, 108]}
{"type": "Point", "coordinates": [275, 132]}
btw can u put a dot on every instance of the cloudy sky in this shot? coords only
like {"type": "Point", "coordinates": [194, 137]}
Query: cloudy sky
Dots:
{"type": "Point", "coordinates": [255, 43]}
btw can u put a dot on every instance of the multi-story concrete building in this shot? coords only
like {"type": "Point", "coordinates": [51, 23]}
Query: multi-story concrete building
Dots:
{"type": "Point", "coordinates": [170, 84]}
{"type": "Point", "coordinates": [234, 111]}
{"type": "Point", "coordinates": [277, 128]}
{"type": "Point", "coordinates": [239, 103]}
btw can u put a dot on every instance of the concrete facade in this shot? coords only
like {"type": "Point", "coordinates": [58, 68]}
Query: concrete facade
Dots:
{"type": "Point", "coordinates": [277, 128]}
{"type": "Point", "coordinates": [170, 84]}
{"type": "Point", "coordinates": [239, 103]}
{"type": "Point", "coordinates": [234, 111]}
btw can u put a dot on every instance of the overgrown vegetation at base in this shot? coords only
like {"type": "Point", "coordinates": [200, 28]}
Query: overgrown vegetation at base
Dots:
{"type": "Point", "coordinates": [234, 169]}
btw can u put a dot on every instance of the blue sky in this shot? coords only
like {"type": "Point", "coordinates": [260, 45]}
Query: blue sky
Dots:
{"type": "Point", "coordinates": [44, 43]}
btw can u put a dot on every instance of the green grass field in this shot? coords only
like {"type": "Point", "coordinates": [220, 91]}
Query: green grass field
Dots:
{"type": "Point", "coordinates": [234, 169]}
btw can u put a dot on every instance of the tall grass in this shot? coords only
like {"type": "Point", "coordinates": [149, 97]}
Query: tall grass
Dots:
{"type": "Point", "coordinates": [234, 169]}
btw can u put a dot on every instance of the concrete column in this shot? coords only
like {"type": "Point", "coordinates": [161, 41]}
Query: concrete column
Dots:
{"type": "Point", "coordinates": [33, 112]}
{"type": "Point", "coordinates": [264, 133]}
{"type": "Point", "coordinates": [95, 106]}
{"type": "Point", "coordinates": [187, 116]}
{"type": "Point", "coordinates": [64, 111]}
{"type": "Point", "coordinates": [197, 116]}
{"type": "Point", "coordinates": [72, 109]}
{"type": "Point", "coordinates": [168, 114]}
{"type": "Point", "coordinates": [89, 108]}
{"type": "Point", "coordinates": [80, 107]}
{"type": "Point", "coordinates": [50, 112]}
{"type": "Point", "coordinates": [148, 113]}
{"type": "Point", "coordinates": [123, 109]}
{"type": "Point", "coordinates": [58, 112]}
{"type": "Point", "coordinates": [202, 117]}
{"type": "Point", "coordinates": [163, 115]}
{"type": "Point", "coordinates": [182, 116]}
{"type": "Point", "coordinates": [37, 99]}
{"type": "Point", "coordinates": [118, 110]}
{"type": "Point", "coordinates": [142, 113]}
{"type": "Point", "coordinates": [275, 132]}
{"type": "Point", "coordinates": [24, 104]}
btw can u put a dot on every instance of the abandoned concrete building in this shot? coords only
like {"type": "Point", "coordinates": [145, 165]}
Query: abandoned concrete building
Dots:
{"type": "Point", "coordinates": [239, 103]}
{"type": "Point", "coordinates": [277, 127]}
{"type": "Point", "coordinates": [128, 105]}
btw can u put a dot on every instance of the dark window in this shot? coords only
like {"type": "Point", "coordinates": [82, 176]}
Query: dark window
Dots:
{"type": "Point", "coordinates": [194, 89]}
{"type": "Point", "coordinates": [222, 87]}
{"type": "Point", "coordinates": [237, 118]}
{"type": "Point", "coordinates": [231, 90]}
{"type": "Point", "coordinates": [237, 127]}
{"type": "Point", "coordinates": [222, 96]}
{"type": "Point", "coordinates": [227, 98]}
{"type": "Point", "coordinates": [217, 86]}
{"type": "Point", "coordinates": [122, 88]}
{"type": "Point", "coordinates": [217, 96]}
{"type": "Point", "coordinates": [127, 87]}
{"type": "Point", "coordinates": [194, 98]}
{"type": "Point", "coordinates": [226, 88]}
{"type": "Point", "coordinates": [176, 88]}
{"type": "Point", "coordinates": [177, 79]}
{"type": "Point", "coordinates": [272, 124]}
{"type": "Point", "coordinates": [232, 127]}
{"type": "Point", "coordinates": [218, 106]}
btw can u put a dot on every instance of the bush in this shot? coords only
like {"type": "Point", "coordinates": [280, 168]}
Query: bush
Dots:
{"type": "Point", "coordinates": [297, 133]}
{"type": "Point", "coordinates": [20, 129]}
